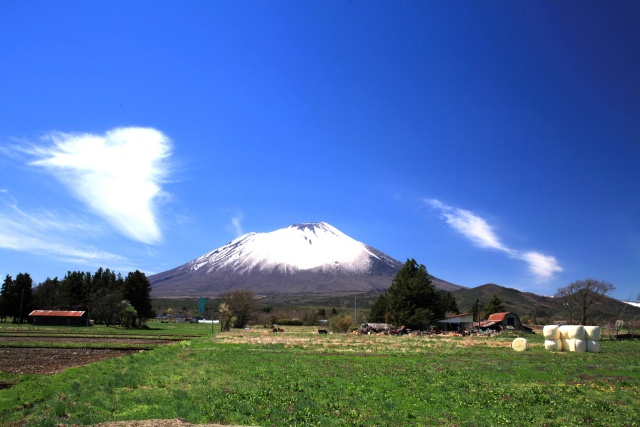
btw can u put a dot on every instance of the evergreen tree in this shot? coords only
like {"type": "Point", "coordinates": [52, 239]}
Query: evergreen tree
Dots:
{"type": "Point", "coordinates": [412, 299]}
{"type": "Point", "coordinates": [379, 310]}
{"type": "Point", "coordinates": [495, 306]}
{"type": "Point", "coordinates": [46, 296]}
{"type": "Point", "coordinates": [137, 290]}
{"type": "Point", "coordinates": [16, 297]}
{"type": "Point", "coordinates": [75, 290]}
{"type": "Point", "coordinates": [7, 298]}
{"type": "Point", "coordinates": [449, 304]}
{"type": "Point", "coordinates": [24, 297]}
{"type": "Point", "coordinates": [106, 296]}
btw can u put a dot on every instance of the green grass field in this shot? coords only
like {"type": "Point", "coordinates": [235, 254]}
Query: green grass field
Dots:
{"type": "Point", "coordinates": [301, 378]}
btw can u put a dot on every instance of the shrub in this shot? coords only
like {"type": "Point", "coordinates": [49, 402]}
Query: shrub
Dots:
{"type": "Point", "coordinates": [341, 323]}
{"type": "Point", "coordinates": [288, 322]}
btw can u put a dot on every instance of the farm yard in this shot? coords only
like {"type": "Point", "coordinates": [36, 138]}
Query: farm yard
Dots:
{"type": "Point", "coordinates": [182, 374]}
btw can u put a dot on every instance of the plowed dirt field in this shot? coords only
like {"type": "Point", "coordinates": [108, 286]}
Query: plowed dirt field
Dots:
{"type": "Point", "coordinates": [47, 360]}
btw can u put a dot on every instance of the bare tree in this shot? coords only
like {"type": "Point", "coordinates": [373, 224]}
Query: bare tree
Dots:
{"type": "Point", "coordinates": [242, 306]}
{"type": "Point", "coordinates": [582, 296]}
{"type": "Point", "coordinates": [226, 316]}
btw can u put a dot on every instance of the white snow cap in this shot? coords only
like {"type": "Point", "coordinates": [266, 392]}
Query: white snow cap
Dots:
{"type": "Point", "coordinates": [302, 246]}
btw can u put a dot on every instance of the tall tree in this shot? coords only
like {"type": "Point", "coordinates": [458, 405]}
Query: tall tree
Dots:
{"type": "Point", "coordinates": [582, 297]}
{"type": "Point", "coordinates": [24, 290]}
{"type": "Point", "coordinates": [137, 290]}
{"type": "Point", "coordinates": [46, 296]}
{"type": "Point", "coordinates": [7, 298]}
{"type": "Point", "coordinates": [75, 290]}
{"type": "Point", "coordinates": [449, 304]}
{"type": "Point", "coordinates": [379, 310]}
{"type": "Point", "coordinates": [16, 297]}
{"type": "Point", "coordinates": [106, 305]}
{"type": "Point", "coordinates": [412, 299]}
{"type": "Point", "coordinates": [495, 305]}
{"type": "Point", "coordinates": [106, 296]}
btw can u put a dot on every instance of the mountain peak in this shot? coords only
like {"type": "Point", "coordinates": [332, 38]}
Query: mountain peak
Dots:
{"type": "Point", "coordinates": [311, 257]}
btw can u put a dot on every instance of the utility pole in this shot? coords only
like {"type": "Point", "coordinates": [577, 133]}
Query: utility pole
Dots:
{"type": "Point", "coordinates": [21, 299]}
{"type": "Point", "coordinates": [212, 316]}
{"type": "Point", "coordinates": [478, 307]}
{"type": "Point", "coordinates": [355, 311]}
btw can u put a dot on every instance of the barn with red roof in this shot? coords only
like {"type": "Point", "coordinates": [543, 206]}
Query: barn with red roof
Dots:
{"type": "Point", "coordinates": [502, 322]}
{"type": "Point", "coordinates": [58, 318]}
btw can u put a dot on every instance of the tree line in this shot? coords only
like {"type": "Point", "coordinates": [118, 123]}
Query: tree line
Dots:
{"type": "Point", "coordinates": [108, 297]}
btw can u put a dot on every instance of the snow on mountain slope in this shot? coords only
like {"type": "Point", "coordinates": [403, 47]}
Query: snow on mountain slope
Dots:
{"type": "Point", "coordinates": [302, 259]}
{"type": "Point", "coordinates": [298, 247]}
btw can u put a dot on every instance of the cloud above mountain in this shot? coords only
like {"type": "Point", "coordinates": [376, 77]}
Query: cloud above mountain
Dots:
{"type": "Point", "coordinates": [118, 175]}
{"type": "Point", "coordinates": [481, 234]}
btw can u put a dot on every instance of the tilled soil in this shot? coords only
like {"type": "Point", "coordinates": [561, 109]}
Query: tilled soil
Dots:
{"type": "Point", "coordinates": [154, 423]}
{"type": "Point", "coordinates": [52, 360]}
{"type": "Point", "coordinates": [47, 360]}
{"type": "Point", "coordinates": [133, 341]}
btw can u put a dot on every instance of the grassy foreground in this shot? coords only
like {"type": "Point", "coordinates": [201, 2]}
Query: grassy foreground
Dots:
{"type": "Point", "coordinates": [301, 378]}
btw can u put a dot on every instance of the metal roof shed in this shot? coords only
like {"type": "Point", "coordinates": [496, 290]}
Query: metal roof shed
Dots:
{"type": "Point", "coordinates": [457, 322]}
{"type": "Point", "coordinates": [505, 321]}
{"type": "Point", "coordinates": [59, 318]}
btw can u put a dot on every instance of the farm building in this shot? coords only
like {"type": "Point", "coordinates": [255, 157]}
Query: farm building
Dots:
{"type": "Point", "coordinates": [459, 322]}
{"type": "Point", "coordinates": [59, 318]}
{"type": "Point", "coordinates": [367, 328]}
{"type": "Point", "coordinates": [503, 321]}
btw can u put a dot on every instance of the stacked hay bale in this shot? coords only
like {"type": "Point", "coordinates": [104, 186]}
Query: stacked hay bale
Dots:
{"type": "Point", "coordinates": [576, 338]}
{"type": "Point", "coordinates": [592, 337]}
{"type": "Point", "coordinates": [551, 335]}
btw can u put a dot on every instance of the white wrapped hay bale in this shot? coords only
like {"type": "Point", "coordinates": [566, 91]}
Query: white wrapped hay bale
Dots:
{"type": "Point", "coordinates": [572, 332]}
{"type": "Point", "coordinates": [568, 344]}
{"type": "Point", "coordinates": [551, 332]}
{"type": "Point", "coordinates": [593, 346]}
{"type": "Point", "coordinates": [520, 344]}
{"type": "Point", "coordinates": [572, 344]}
{"type": "Point", "coordinates": [553, 345]}
{"type": "Point", "coordinates": [592, 333]}
{"type": "Point", "coordinates": [580, 346]}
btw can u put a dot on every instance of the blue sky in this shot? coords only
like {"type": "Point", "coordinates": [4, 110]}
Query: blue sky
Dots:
{"type": "Point", "coordinates": [494, 142]}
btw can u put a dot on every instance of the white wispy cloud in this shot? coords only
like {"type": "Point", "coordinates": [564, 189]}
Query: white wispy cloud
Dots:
{"type": "Point", "coordinates": [119, 175]}
{"type": "Point", "coordinates": [482, 235]}
{"type": "Point", "coordinates": [44, 233]}
{"type": "Point", "coordinates": [236, 224]}
{"type": "Point", "coordinates": [542, 266]}
{"type": "Point", "coordinates": [470, 225]}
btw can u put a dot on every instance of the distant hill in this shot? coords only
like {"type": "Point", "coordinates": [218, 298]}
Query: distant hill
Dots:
{"type": "Point", "coordinates": [535, 308]}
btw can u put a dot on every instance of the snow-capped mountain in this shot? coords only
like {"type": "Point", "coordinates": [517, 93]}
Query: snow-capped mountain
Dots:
{"type": "Point", "coordinates": [307, 258]}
